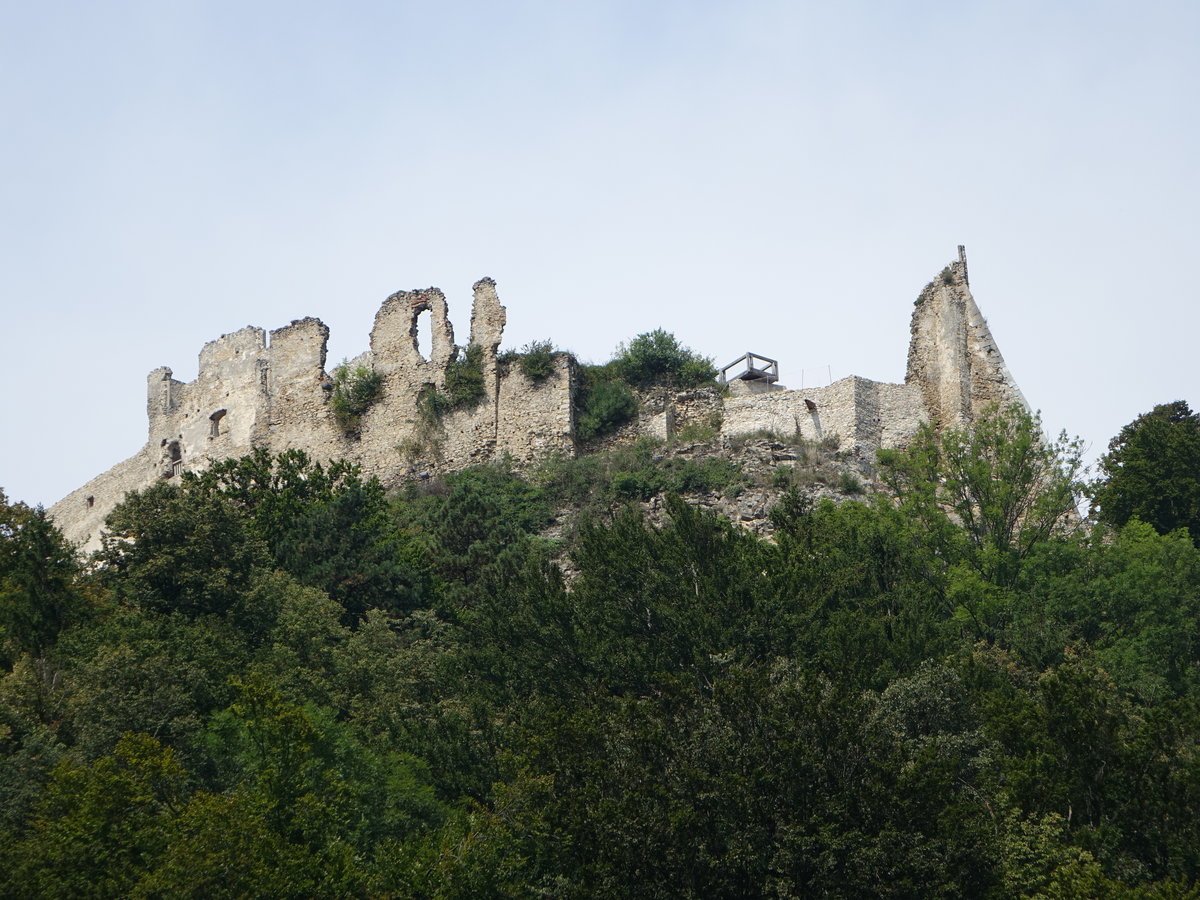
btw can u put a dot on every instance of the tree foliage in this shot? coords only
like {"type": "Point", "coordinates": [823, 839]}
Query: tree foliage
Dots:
{"type": "Point", "coordinates": [38, 572]}
{"type": "Point", "coordinates": [604, 402]}
{"type": "Point", "coordinates": [1152, 471]}
{"type": "Point", "coordinates": [657, 358]}
{"type": "Point", "coordinates": [277, 681]}
{"type": "Point", "coordinates": [1007, 486]}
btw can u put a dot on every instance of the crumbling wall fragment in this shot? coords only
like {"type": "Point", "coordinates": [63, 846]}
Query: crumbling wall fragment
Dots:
{"type": "Point", "coordinates": [952, 355]}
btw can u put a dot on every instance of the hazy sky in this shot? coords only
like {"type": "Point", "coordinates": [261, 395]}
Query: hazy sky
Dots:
{"type": "Point", "coordinates": [781, 177]}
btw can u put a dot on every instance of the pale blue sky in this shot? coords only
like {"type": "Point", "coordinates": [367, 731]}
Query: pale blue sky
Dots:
{"type": "Point", "coordinates": [775, 177]}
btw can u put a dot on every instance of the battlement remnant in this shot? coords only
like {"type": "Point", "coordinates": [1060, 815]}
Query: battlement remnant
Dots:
{"type": "Point", "coordinates": [255, 389]}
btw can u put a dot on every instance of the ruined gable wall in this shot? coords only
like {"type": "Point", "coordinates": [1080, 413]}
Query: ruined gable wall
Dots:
{"type": "Point", "coordinates": [952, 355]}
{"type": "Point", "coordinates": [937, 354]}
{"type": "Point", "coordinates": [990, 381]}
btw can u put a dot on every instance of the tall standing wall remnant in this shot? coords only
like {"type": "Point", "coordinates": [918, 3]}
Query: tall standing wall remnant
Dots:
{"type": "Point", "coordinates": [952, 355]}
{"type": "Point", "coordinates": [273, 391]}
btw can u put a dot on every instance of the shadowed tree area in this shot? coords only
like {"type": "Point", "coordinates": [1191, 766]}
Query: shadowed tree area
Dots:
{"type": "Point", "coordinates": [276, 681]}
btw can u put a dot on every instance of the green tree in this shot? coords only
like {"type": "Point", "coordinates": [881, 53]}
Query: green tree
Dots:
{"type": "Point", "coordinates": [38, 569]}
{"type": "Point", "coordinates": [655, 604]}
{"type": "Point", "coordinates": [858, 594]}
{"type": "Point", "coordinates": [222, 846]}
{"type": "Point", "coordinates": [31, 718]}
{"type": "Point", "coordinates": [167, 549]}
{"type": "Point", "coordinates": [1152, 471]}
{"type": "Point", "coordinates": [1008, 486]}
{"type": "Point", "coordinates": [140, 670]}
{"type": "Point", "coordinates": [325, 525]}
{"type": "Point", "coordinates": [100, 826]}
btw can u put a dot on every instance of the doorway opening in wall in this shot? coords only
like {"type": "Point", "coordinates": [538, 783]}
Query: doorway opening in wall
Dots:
{"type": "Point", "coordinates": [424, 333]}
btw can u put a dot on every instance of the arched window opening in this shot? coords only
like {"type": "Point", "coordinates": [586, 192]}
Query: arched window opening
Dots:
{"type": "Point", "coordinates": [423, 333]}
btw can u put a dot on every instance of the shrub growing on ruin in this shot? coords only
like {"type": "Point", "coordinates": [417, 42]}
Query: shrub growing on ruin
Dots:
{"type": "Point", "coordinates": [463, 387]}
{"type": "Point", "coordinates": [848, 483]}
{"type": "Point", "coordinates": [604, 402]}
{"type": "Point", "coordinates": [537, 360]}
{"type": "Point", "coordinates": [592, 483]}
{"type": "Point", "coordinates": [657, 358]}
{"type": "Point", "coordinates": [464, 378]}
{"type": "Point", "coordinates": [354, 392]}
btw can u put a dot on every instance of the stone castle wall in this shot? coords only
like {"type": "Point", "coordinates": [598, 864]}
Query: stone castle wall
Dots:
{"type": "Point", "coordinates": [258, 390]}
{"type": "Point", "coordinates": [857, 410]}
{"type": "Point", "coordinates": [255, 389]}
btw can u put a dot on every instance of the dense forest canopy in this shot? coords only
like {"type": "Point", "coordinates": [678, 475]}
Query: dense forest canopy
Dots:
{"type": "Point", "coordinates": [276, 680]}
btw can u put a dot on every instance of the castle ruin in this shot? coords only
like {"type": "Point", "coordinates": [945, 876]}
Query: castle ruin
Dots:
{"type": "Point", "coordinates": [255, 389]}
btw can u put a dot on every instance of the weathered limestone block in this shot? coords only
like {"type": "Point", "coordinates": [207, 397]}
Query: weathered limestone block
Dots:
{"type": "Point", "coordinates": [297, 373]}
{"type": "Point", "coordinates": [658, 426]}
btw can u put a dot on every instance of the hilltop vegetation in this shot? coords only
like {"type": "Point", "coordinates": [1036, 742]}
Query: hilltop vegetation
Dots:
{"type": "Point", "coordinates": [277, 680]}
